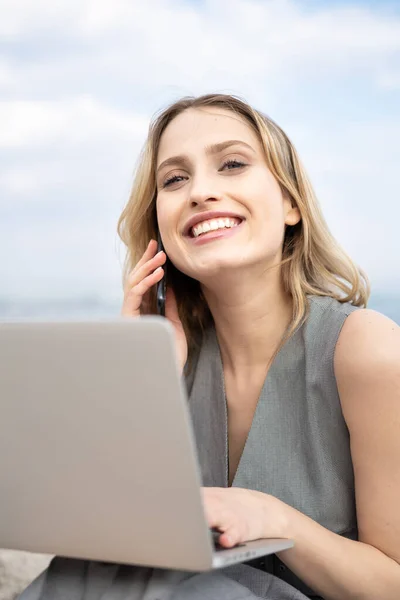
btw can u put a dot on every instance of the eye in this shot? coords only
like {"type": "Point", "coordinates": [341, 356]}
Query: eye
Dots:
{"type": "Point", "coordinates": [231, 164]}
{"type": "Point", "coordinates": [173, 179]}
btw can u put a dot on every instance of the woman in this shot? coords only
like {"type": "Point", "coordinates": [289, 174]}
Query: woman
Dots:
{"type": "Point", "coordinates": [294, 387]}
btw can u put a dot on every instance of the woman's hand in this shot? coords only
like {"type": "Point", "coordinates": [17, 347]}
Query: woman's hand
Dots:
{"type": "Point", "coordinates": [149, 272]}
{"type": "Point", "coordinates": [244, 515]}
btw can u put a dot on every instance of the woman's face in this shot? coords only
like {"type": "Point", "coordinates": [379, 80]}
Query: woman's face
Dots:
{"type": "Point", "coordinates": [211, 172]}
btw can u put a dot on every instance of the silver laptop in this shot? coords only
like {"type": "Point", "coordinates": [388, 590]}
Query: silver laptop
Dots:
{"type": "Point", "coordinates": [97, 452]}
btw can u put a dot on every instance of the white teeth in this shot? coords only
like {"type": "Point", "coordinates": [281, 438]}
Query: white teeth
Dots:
{"type": "Point", "coordinates": [213, 225]}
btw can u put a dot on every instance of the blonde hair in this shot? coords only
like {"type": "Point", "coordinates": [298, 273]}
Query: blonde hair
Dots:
{"type": "Point", "coordinates": [312, 260]}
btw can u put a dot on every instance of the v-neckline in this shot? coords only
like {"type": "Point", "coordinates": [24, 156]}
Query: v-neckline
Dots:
{"type": "Point", "coordinates": [267, 378]}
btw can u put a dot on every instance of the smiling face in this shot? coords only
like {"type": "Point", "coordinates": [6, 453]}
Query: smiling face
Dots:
{"type": "Point", "coordinates": [218, 205]}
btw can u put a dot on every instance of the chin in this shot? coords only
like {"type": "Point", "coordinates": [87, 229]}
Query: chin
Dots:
{"type": "Point", "coordinates": [214, 267]}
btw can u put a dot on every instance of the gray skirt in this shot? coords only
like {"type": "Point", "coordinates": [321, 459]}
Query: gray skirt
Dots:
{"type": "Point", "coordinates": [71, 579]}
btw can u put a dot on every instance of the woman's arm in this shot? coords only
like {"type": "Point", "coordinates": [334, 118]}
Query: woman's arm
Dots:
{"type": "Point", "coordinates": [367, 368]}
{"type": "Point", "coordinates": [338, 568]}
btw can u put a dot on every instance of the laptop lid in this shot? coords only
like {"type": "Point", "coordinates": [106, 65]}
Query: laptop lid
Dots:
{"type": "Point", "coordinates": [97, 454]}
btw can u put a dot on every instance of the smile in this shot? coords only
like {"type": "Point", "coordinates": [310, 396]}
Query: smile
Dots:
{"type": "Point", "coordinates": [212, 225]}
{"type": "Point", "coordinates": [214, 229]}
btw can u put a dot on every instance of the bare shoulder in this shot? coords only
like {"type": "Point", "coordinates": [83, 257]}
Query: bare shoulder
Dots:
{"type": "Point", "coordinates": [367, 362]}
{"type": "Point", "coordinates": [367, 370]}
{"type": "Point", "coordinates": [368, 342]}
{"type": "Point", "coordinates": [367, 335]}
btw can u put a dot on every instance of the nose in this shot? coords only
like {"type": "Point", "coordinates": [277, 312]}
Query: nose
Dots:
{"type": "Point", "coordinates": [202, 192]}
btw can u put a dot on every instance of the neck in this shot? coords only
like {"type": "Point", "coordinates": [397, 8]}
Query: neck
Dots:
{"type": "Point", "coordinates": [250, 320]}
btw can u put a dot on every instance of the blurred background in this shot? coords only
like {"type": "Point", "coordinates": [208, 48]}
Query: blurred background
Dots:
{"type": "Point", "coordinates": [80, 79]}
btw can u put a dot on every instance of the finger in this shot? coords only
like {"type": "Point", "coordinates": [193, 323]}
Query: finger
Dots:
{"type": "Point", "coordinates": [218, 516]}
{"type": "Point", "coordinates": [226, 523]}
{"type": "Point", "coordinates": [229, 538]}
{"type": "Point", "coordinates": [229, 535]}
{"type": "Point", "coordinates": [134, 296]}
{"type": "Point", "coordinates": [149, 253]}
{"type": "Point", "coordinates": [140, 273]}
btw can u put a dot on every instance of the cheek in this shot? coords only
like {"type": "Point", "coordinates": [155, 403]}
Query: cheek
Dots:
{"type": "Point", "coordinates": [269, 210]}
{"type": "Point", "coordinates": [268, 197]}
{"type": "Point", "coordinates": [164, 216]}
{"type": "Point", "coordinates": [168, 224]}
{"type": "Point", "coordinates": [269, 214]}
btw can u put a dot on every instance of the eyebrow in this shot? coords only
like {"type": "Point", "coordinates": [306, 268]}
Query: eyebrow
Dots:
{"type": "Point", "coordinates": [212, 149]}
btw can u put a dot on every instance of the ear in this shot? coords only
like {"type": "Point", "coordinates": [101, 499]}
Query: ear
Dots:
{"type": "Point", "coordinates": [293, 216]}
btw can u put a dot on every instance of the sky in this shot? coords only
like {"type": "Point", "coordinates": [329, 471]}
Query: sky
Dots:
{"type": "Point", "coordinates": [80, 80]}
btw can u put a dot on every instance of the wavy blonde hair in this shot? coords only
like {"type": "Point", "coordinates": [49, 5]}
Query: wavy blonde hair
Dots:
{"type": "Point", "coordinates": [312, 260]}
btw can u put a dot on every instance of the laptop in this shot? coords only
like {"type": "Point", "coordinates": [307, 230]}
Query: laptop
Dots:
{"type": "Point", "coordinates": [97, 453]}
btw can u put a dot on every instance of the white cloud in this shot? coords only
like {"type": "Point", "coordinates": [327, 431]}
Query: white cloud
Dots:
{"type": "Point", "coordinates": [78, 147]}
{"type": "Point", "coordinates": [389, 79]}
{"type": "Point", "coordinates": [82, 77]}
{"type": "Point", "coordinates": [73, 122]}
{"type": "Point", "coordinates": [234, 38]}
{"type": "Point", "coordinates": [26, 181]}
{"type": "Point", "coordinates": [19, 18]}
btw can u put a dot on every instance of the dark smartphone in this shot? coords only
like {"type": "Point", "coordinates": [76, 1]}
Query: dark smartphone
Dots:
{"type": "Point", "coordinates": [161, 285]}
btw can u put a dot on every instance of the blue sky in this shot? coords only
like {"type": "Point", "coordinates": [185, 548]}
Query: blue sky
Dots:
{"type": "Point", "coordinates": [79, 81]}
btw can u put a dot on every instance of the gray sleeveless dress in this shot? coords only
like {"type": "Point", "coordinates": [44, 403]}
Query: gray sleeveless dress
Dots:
{"type": "Point", "coordinates": [298, 449]}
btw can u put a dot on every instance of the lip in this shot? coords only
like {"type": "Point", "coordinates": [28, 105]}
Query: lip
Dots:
{"type": "Point", "coordinates": [206, 216]}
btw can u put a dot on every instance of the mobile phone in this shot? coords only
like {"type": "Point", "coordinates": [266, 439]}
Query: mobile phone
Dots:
{"type": "Point", "coordinates": [161, 285]}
